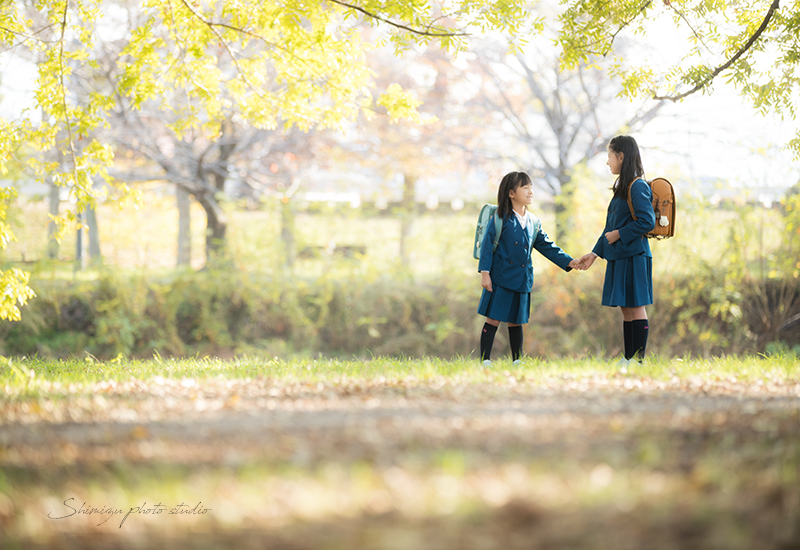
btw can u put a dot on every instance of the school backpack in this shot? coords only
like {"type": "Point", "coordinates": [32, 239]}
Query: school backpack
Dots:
{"type": "Point", "coordinates": [487, 211]}
{"type": "Point", "coordinates": [663, 206]}
{"type": "Point", "coordinates": [485, 215]}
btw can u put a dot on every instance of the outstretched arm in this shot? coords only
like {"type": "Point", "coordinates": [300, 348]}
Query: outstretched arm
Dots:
{"type": "Point", "coordinates": [550, 250]}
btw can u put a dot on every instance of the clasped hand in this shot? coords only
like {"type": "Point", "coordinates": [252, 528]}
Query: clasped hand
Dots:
{"type": "Point", "coordinates": [581, 264]}
{"type": "Point", "coordinates": [586, 261]}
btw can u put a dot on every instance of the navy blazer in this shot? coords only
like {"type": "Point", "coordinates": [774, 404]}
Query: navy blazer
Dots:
{"type": "Point", "coordinates": [631, 233]}
{"type": "Point", "coordinates": [510, 266]}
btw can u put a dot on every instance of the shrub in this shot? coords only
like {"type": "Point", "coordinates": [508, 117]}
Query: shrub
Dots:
{"type": "Point", "coordinates": [229, 312]}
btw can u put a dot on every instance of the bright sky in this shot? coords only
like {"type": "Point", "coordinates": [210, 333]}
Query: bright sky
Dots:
{"type": "Point", "coordinates": [722, 136]}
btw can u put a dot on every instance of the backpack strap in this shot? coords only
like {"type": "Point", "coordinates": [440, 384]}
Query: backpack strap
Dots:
{"type": "Point", "coordinates": [498, 229]}
{"type": "Point", "coordinates": [630, 202]}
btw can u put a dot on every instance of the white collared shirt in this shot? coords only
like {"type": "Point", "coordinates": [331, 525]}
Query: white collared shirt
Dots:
{"type": "Point", "coordinates": [524, 219]}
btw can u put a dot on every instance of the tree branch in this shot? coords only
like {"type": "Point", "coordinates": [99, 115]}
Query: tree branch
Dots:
{"type": "Point", "coordinates": [775, 5]}
{"type": "Point", "coordinates": [688, 24]}
{"type": "Point", "coordinates": [26, 37]}
{"type": "Point", "coordinates": [212, 27]}
{"type": "Point", "coordinates": [397, 25]}
{"type": "Point", "coordinates": [136, 177]}
{"type": "Point", "coordinates": [619, 30]}
{"type": "Point", "coordinates": [63, 86]}
{"type": "Point", "coordinates": [508, 112]}
{"type": "Point", "coordinates": [625, 24]}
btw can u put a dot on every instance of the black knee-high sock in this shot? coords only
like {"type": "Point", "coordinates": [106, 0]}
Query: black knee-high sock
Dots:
{"type": "Point", "coordinates": [487, 340]}
{"type": "Point", "coordinates": [627, 333]}
{"type": "Point", "coordinates": [640, 328]}
{"type": "Point", "coordinates": [515, 339]}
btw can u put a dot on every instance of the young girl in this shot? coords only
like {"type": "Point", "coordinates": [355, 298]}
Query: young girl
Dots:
{"type": "Point", "coordinates": [629, 282]}
{"type": "Point", "coordinates": [507, 273]}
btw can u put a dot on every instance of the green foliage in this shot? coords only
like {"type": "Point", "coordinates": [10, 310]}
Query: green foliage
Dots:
{"type": "Point", "coordinates": [14, 282]}
{"type": "Point", "coordinates": [224, 312]}
{"type": "Point", "coordinates": [233, 313]}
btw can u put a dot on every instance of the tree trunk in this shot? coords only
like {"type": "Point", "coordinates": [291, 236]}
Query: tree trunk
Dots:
{"type": "Point", "coordinates": [288, 232]}
{"type": "Point", "coordinates": [216, 226]}
{"type": "Point", "coordinates": [95, 256]}
{"type": "Point", "coordinates": [564, 208]}
{"type": "Point", "coordinates": [184, 226]}
{"type": "Point", "coordinates": [54, 200]}
{"type": "Point", "coordinates": [79, 255]}
{"type": "Point", "coordinates": [217, 222]}
{"type": "Point", "coordinates": [407, 211]}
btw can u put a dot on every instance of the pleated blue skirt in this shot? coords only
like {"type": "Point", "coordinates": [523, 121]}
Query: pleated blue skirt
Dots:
{"type": "Point", "coordinates": [629, 282]}
{"type": "Point", "coordinates": [505, 305]}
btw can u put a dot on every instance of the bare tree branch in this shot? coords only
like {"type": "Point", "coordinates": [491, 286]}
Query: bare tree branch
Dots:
{"type": "Point", "coordinates": [136, 177]}
{"type": "Point", "coordinates": [507, 110]}
{"type": "Point", "coordinates": [775, 5]}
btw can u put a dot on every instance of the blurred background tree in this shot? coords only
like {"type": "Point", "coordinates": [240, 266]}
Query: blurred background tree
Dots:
{"type": "Point", "coordinates": [275, 64]}
{"type": "Point", "coordinates": [554, 118]}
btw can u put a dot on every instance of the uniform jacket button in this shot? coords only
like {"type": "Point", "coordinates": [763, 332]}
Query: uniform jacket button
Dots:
{"type": "Point", "coordinates": [515, 244]}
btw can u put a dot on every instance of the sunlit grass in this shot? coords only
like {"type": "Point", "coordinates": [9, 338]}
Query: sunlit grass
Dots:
{"type": "Point", "coordinates": [38, 377]}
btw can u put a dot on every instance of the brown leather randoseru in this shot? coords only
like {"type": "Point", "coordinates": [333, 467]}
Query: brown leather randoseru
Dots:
{"type": "Point", "coordinates": [663, 206]}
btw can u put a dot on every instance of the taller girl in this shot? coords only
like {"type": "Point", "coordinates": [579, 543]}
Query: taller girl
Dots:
{"type": "Point", "coordinates": [629, 270]}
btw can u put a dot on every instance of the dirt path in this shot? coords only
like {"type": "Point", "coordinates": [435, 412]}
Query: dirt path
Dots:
{"type": "Point", "coordinates": [664, 430]}
{"type": "Point", "coordinates": [216, 420]}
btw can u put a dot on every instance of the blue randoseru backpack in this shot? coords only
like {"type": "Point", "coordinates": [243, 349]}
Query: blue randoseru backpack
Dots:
{"type": "Point", "coordinates": [487, 212]}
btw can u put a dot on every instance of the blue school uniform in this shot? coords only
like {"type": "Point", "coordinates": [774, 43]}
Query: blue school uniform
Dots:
{"type": "Point", "coordinates": [511, 269]}
{"type": "Point", "coordinates": [629, 271]}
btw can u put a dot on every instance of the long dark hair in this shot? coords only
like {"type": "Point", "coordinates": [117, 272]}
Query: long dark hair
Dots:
{"type": "Point", "coordinates": [631, 164]}
{"type": "Point", "coordinates": [509, 183]}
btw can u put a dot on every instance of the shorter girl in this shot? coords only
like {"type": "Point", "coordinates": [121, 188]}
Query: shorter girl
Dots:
{"type": "Point", "coordinates": [507, 273]}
